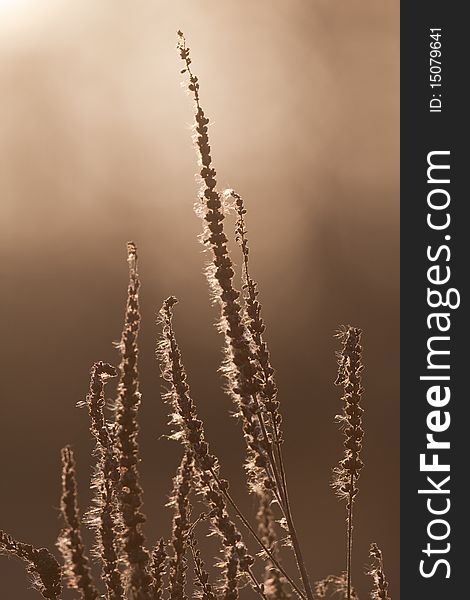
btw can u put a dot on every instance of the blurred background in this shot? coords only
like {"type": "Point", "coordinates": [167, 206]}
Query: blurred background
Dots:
{"type": "Point", "coordinates": [95, 150]}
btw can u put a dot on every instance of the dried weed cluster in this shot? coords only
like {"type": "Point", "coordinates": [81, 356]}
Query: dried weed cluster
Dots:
{"type": "Point", "coordinates": [129, 569]}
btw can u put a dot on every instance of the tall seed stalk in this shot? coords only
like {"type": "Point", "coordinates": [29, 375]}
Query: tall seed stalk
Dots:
{"type": "Point", "coordinates": [76, 564]}
{"type": "Point", "coordinates": [139, 581]}
{"type": "Point", "coordinates": [241, 365]}
{"type": "Point", "coordinates": [346, 475]}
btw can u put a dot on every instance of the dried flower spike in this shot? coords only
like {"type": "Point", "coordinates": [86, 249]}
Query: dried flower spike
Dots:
{"type": "Point", "coordinates": [40, 563]}
{"type": "Point", "coordinates": [334, 585]}
{"type": "Point", "coordinates": [191, 432]}
{"type": "Point", "coordinates": [347, 473]}
{"type": "Point", "coordinates": [239, 364]}
{"type": "Point", "coordinates": [104, 517]}
{"type": "Point", "coordinates": [376, 571]}
{"type": "Point", "coordinates": [138, 579]}
{"type": "Point", "coordinates": [76, 565]}
{"type": "Point", "coordinates": [204, 589]}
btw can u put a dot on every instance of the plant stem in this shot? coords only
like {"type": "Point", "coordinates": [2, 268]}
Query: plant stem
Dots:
{"type": "Point", "coordinates": [256, 585]}
{"type": "Point", "coordinates": [282, 487]}
{"type": "Point", "coordinates": [350, 530]}
{"type": "Point", "coordinates": [247, 524]}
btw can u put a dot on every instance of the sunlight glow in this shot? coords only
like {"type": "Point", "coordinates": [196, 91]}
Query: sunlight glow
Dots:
{"type": "Point", "coordinates": [13, 6]}
{"type": "Point", "coordinates": [5, 4]}
{"type": "Point", "coordinates": [17, 16]}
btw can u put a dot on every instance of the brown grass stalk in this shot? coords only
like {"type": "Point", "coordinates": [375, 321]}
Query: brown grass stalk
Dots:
{"type": "Point", "coordinates": [189, 430]}
{"type": "Point", "coordinates": [346, 475]}
{"type": "Point", "coordinates": [104, 517]}
{"type": "Point", "coordinates": [128, 569]}
{"type": "Point", "coordinates": [76, 565]}
{"type": "Point", "coordinates": [240, 366]}
{"type": "Point", "coordinates": [138, 578]}
{"type": "Point", "coordinates": [334, 585]}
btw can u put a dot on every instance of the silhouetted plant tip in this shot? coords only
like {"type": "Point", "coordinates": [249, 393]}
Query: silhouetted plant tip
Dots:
{"type": "Point", "coordinates": [46, 575]}
{"type": "Point", "coordinates": [76, 565]}
{"type": "Point", "coordinates": [347, 473]}
{"type": "Point", "coordinates": [376, 571]}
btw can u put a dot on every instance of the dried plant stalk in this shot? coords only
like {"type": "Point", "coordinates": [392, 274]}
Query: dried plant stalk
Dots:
{"type": "Point", "coordinates": [204, 589]}
{"type": "Point", "coordinates": [347, 473]}
{"type": "Point", "coordinates": [376, 571]}
{"type": "Point", "coordinates": [103, 517]}
{"type": "Point", "coordinates": [240, 365]}
{"type": "Point", "coordinates": [76, 565]}
{"type": "Point", "coordinates": [274, 581]}
{"type": "Point", "coordinates": [117, 516]}
{"type": "Point", "coordinates": [159, 562]}
{"type": "Point", "coordinates": [255, 324]}
{"type": "Point", "coordinates": [40, 563]}
{"type": "Point", "coordinates": [190, 431]}
{"type": "Point", "coordinates": [181, 526]}
{"type": "Point", "coordinates": [138, 578]}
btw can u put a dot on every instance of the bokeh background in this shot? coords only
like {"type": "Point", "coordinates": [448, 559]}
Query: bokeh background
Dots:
{"type": "Point", "coordinates": [95, 149]}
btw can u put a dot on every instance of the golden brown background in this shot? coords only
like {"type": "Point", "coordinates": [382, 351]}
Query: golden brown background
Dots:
{"type": "Point", "coordinates": [95, 149]}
